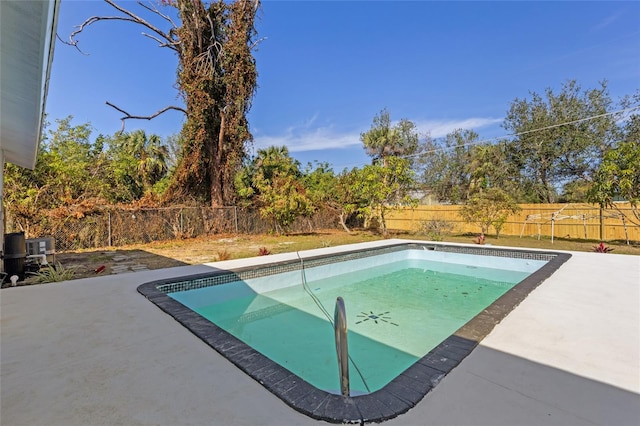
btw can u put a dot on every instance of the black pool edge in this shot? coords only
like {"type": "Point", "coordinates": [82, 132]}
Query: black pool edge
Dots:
{"type": "Point", "coordinates": [398, 396]}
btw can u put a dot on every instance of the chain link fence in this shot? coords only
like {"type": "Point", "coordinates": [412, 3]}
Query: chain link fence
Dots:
{"type": "Point", "coordinates": [119, 227]}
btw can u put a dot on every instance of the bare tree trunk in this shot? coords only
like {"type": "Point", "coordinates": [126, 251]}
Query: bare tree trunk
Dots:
{"type": "Point", "coordinates": [217, 172]}
{"type": "Point", "coordinates": [343, 223]}
{"type": "Point", "coordinates": [217, 79]}
{"type": "Point", "coordinates": [383, 222]}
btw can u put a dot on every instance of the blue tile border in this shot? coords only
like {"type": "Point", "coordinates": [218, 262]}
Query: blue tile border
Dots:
{"type": "Point", "coordinates": [397, 397]}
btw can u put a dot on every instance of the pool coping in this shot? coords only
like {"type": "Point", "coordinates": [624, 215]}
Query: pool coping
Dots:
{"type": "Point", "coordinates": [399, 395]}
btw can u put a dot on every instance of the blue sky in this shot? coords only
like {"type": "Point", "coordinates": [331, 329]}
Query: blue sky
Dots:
{"type": "Point", "coordinates": [326, 68]}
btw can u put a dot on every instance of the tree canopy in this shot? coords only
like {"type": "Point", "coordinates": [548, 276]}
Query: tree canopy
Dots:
{"type": "Point", "coordinates": [618, 177]}
{"type": "Point", "coordinates": [570, 145]}
{"type": "Point", "coordinates": [445, 165]}
{"type": "Point", "coordinates": [72, 170]}
{"type": "Point", "coordinates": [216, 78]}
{"type": "Point", "coordinates": [384, 140]}
{"type": "Point", "coordinates": [559, 138]}
{"type": "Point", "coordinates": [489, 208]}
{"type": "Point", "coordinates": [378, 188]}
{"type": "Point", "coordinates": [272, 181]}
{"type": "Point", "coordinates": [558, 141]}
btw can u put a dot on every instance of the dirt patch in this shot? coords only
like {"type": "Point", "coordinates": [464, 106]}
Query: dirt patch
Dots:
{"type": "Point", "coordinates": [86, 264]}
{"type": "Point", "coordinates": [168, 254]}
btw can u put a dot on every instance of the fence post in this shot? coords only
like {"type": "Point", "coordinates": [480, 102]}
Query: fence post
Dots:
{"type": "Point", "coordinates": [235, 217]}
{"type": "Point", "coordinates": [181, 223]}
{"type": "Point", "coordinates": [109, 226]}
{"type": "Point", "coordinates": [601, 224]}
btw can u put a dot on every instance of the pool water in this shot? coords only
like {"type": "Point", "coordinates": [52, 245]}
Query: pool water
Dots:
{"type": "Point", "coordinates": [396, 314]}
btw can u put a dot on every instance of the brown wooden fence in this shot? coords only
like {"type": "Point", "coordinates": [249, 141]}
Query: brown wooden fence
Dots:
{"type": "Point", "coordinates": [583, 221]}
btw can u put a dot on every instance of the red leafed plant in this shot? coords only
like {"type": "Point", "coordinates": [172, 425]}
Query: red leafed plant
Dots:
{"type": "Point", "coordinates": [601, 248]}
{"type": "Point", "coordinates": [263, 251]}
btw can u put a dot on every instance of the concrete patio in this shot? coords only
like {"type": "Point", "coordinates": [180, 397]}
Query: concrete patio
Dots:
{"type": "Point", "coordinates": [96, 352]}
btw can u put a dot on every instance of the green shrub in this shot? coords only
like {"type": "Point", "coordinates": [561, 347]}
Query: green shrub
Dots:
{"type": "Point", "coordinates": [53, 274]}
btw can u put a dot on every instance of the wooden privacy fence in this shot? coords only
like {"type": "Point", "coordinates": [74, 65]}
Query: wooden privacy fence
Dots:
{"type": "Point", "coordinates": [582, 221]}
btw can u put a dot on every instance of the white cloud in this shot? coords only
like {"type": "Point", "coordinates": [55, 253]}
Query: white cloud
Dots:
{"type": "Point", "coordinates": [607, 21]}
{"type": "Point", "coordinates": [305, 138]}
{"type": "Point", "coordinates": [440, 128]}
{"type": "Point", "coordinates": [320, 138]}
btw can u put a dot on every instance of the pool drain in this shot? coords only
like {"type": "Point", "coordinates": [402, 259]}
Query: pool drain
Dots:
{"type": "Point", "coordinates": [384, 317]}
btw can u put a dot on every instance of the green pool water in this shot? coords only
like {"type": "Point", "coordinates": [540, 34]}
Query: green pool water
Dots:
{"type": "Point", "coordinates": [393, 318]}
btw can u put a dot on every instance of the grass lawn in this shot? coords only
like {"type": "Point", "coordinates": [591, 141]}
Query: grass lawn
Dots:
{"type": "Point", "coordinates": [202, 250]}
{"type": "Point", "coordinates": [619, 247]}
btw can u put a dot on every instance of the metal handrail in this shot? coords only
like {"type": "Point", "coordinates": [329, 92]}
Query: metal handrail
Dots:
{"type": "Point", "coordinates": [340, 327]}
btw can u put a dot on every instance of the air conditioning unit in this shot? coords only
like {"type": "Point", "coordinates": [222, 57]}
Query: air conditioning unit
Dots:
{"type": "Point", "coordinates": [40, 246]}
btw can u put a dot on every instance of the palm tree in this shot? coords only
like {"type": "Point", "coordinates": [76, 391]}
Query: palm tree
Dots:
{"type": "Point", "coordinates": [152, 165]}
{"type": "Point", "coordinates": [383, 140]}
{"type": "Point", "coordinates": [150, 157]}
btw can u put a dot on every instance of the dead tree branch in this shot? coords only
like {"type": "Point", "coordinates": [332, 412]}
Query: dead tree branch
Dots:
{"type": "Point", "coordinates": [164, 39]}
{"type": "Point", "coordinates": [155, 10]}
{"type": "Point", "coordinates": [128, 116]}
{"type": "Point", "coordinates": [160, 42]}
{"type": "Point", "coordinates": [255, 43]}
{"type": "Point", "coordinates": [143, 22]}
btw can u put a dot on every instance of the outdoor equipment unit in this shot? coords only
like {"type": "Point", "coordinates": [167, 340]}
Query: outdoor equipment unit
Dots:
{"type": "Point", "coordinates": [40, 246]}
{"type": "Point", "coordinates": [15, 254]}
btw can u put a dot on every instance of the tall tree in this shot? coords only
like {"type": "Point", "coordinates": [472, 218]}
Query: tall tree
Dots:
{"type": "Point", "coordinates": [489, 168]}
{"type": "Point", "coordinates": [379, 188]}
{"type": "Point", "coordinates": [385, 183]}
{"type": "Point", "coordinates": [138, 162]}
{"type": "Point", "coordinates": [217, 79]}
{"type": "Point", "coordinates": [559, 137]}
{"type": "Point", "coordinates": [446, 165]}
{"type": "Point", "coordinates": [618, 177]}
{"type": "Point", "coordinates": [384, 140]}
{"type": "Point", "coordinates": [335, 193]}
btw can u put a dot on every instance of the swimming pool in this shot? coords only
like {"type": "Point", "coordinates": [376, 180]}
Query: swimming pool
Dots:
{"type": "Point", "coordinates": [257, 297]}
